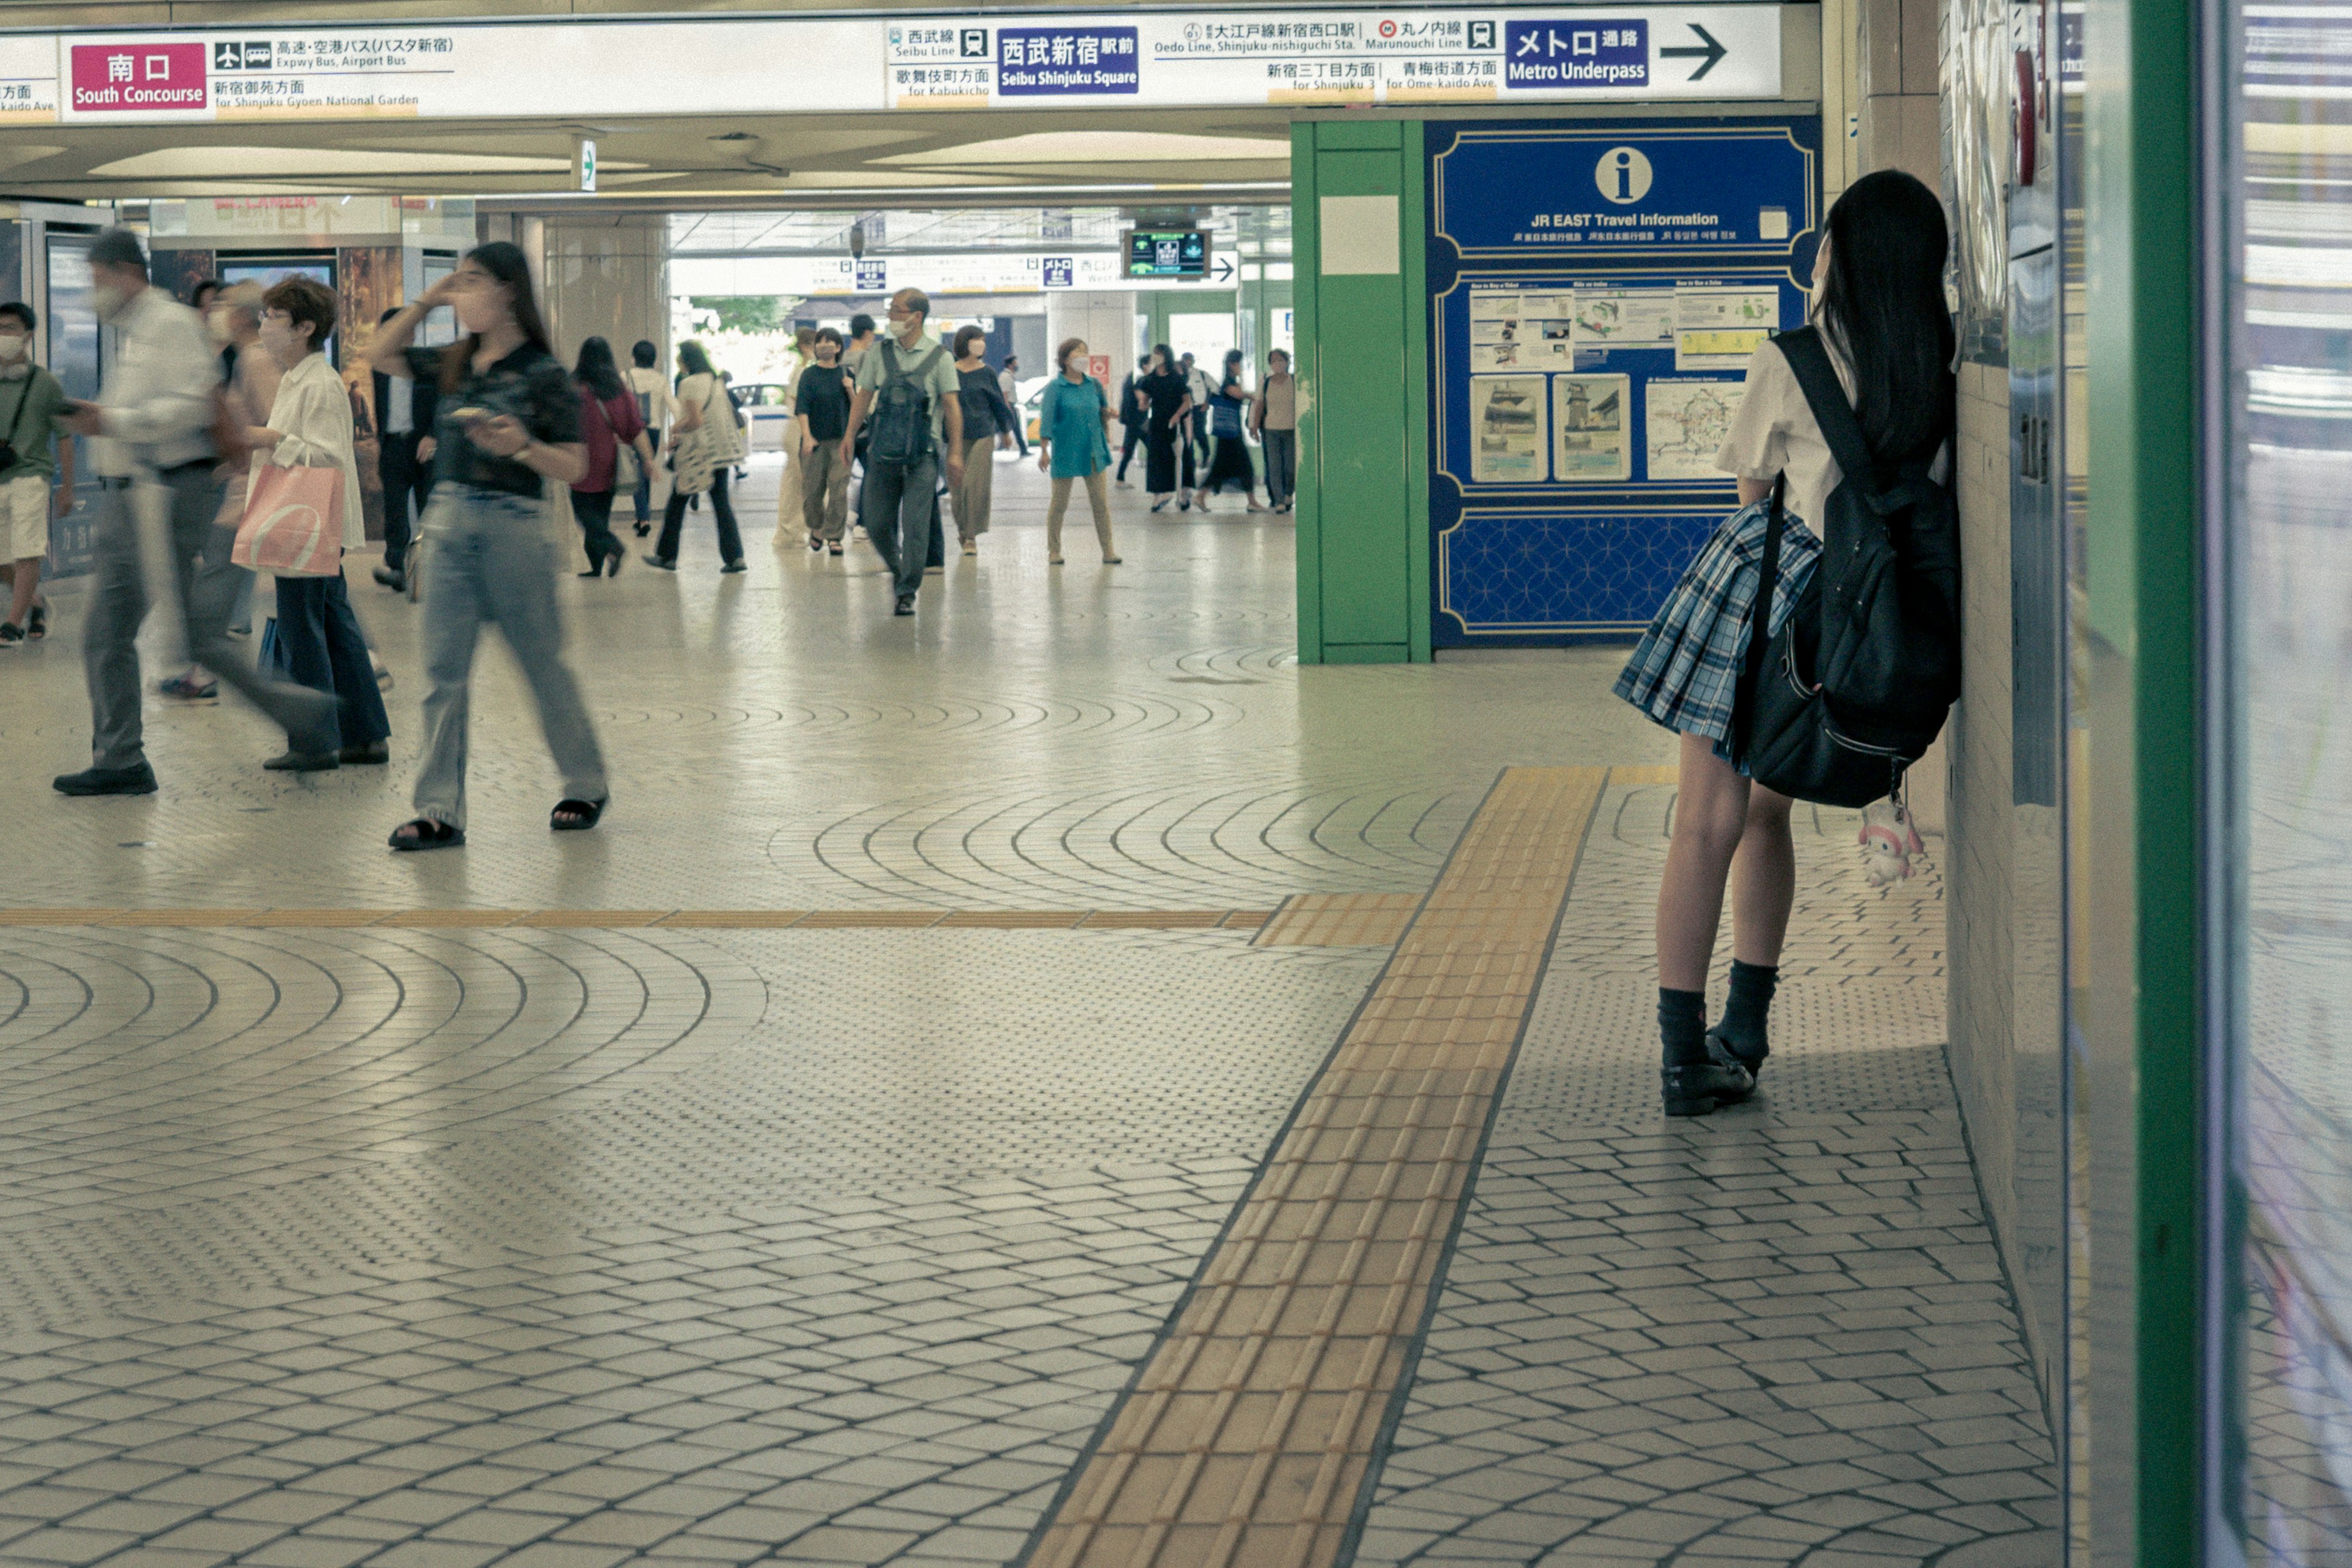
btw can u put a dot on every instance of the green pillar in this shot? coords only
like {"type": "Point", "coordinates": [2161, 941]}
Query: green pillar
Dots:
{"type": "Point", "coordinates": [1363, 426]}
{"type": "Point", "coordinates": [2147, 1088]}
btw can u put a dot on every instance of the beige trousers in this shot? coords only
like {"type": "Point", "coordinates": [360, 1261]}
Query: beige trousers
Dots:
{"type": "Point", "coordinates": [788, 491]}
{"type": "Point", "coordinates": [1098, 496]}
{"type": "Point", "coordinates": [822, 498]}
{"type": "Point", "coordinates": [973, 491]}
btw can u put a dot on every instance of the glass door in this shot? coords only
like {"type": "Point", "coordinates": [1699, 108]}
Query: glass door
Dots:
{"type": "Point", "coordinates": [2278, 396]}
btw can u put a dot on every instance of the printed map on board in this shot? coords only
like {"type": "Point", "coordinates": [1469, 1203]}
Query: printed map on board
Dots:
{"type": "Point", "coordinates": [1687, 421]}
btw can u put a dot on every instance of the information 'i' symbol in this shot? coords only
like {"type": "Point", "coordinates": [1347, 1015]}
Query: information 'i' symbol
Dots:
{"type": "Point", "coordinates": [1622, 174]}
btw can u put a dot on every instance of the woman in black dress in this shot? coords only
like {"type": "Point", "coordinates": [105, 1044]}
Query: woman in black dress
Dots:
{"type": "Point", "coordinates": [1166, 400]}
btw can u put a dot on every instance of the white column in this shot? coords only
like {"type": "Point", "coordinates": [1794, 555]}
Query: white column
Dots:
{"type": "Point", "coordinates": [1106, 318]}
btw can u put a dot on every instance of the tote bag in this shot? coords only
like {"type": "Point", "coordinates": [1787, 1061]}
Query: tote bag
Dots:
{"type": "Point", "coordinates": [626, 471]}
{"type": "Point", "coordinates": [293, 522]}
{"type": "Point", "coordinates": [722, 426]}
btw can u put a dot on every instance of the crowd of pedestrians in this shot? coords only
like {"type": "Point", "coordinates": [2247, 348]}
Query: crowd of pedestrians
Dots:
{"type": "Point", "coordinates": [226, 434]}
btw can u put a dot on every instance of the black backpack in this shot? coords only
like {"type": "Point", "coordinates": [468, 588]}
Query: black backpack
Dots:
{"type": "Point", "coordinates": [1856, 685]}
{"type": "Point", "coordinates": [902, 409]}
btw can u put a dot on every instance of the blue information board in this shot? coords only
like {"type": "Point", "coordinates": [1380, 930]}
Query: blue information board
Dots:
{"type": "Point", "coordinates": [1595, 291]}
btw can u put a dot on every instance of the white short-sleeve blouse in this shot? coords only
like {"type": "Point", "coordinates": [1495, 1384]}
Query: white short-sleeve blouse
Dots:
{"type": "Point", "coordinates": [1774, 433]}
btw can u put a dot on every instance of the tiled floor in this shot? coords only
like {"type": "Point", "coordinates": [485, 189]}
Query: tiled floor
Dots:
{"type": "Point", "coordinates": [1777, 1335]}
{"type": "Point", "coordinates": [703, 1190]}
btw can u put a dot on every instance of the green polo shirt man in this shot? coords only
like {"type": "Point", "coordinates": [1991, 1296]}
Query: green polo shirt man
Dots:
{"type": "Point", "coordinates": [897, 505]}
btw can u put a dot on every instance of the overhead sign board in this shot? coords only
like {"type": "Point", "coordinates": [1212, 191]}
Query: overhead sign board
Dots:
{"type": "Point", "coordinates": [1167, 59]}
{"type": "Point", "coordinates": [1180, 60]}
{"type": "Point", "coordinates": [1167, 252]}
{"type": "Point", "coordinates": [368, 70]}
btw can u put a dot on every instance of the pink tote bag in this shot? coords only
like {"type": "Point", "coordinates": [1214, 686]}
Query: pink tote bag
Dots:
{"type": "Point", "coordinates": [293, 522]}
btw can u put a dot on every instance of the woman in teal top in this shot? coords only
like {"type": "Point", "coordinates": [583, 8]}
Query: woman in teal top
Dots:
{"type": "Point", "coordinates": [1070, 424]}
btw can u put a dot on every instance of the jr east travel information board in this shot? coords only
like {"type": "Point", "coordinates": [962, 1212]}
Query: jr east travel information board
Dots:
{"type": "Point", "coordinates": [1145, 59]}
{"type": "Point", "coordinates": [1596, 290]}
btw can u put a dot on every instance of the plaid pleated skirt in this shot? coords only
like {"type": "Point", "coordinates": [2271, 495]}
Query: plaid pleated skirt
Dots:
{"type": "Point", "coordinates": [1685, 672]}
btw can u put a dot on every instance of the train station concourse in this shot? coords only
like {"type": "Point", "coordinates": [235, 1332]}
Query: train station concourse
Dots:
{"type": "Point", "coordinates": [1288, 786]}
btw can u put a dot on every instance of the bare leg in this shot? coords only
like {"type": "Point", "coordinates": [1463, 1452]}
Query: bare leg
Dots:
{"type": "Point", "coordinates": [1763, 881]}
{"type": "Point", "coordinates": [1710, 818]}
{"type": "Point", "coordinates": [27, 578]}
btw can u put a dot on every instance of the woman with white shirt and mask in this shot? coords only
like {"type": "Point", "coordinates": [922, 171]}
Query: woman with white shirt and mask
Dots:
{"type": "Point", "coordinates": [311, 427]}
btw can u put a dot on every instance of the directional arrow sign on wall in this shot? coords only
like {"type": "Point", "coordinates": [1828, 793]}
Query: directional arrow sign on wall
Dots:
{"type": "Point", "coordinates": [1223, 271]}
{"type": "Point", "coordinates": [1707, 51]}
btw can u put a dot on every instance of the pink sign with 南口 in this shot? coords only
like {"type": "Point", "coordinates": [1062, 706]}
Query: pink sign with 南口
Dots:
{"type": "Point", "coordinates": [137, 78]}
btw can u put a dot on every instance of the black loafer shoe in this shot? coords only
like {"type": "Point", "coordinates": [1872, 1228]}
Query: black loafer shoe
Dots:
{"type": "Point", "coordinates": [905, 604]}
{"type": "Point", "coordinates": [304, 761]}
{"type": "Point", "coordinates": [392, 578]}
{"type": "Point", "coordinates": [139, 779]}
{"type": "Point", "coordinates": [1699, 1089]}
{"type": "Point", "coordinates": [1720, 1048]}
{"type": "Point", "coordinates": [378, 752]}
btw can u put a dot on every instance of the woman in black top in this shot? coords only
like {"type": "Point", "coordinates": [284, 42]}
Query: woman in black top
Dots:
{"type": "Point", "coordinates": [1130, 419]}
{"type": "Point", "coordinates": [1228, 417]}
{"type": "Point", "coordinates": [1165, 400]}
{"type": "Point", "coordinates": [988, 423]}
{"type": "Point", "coordinates": [507, 427]}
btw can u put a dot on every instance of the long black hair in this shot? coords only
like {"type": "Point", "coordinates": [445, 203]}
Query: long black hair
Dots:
{"type": "Point", "coordinates": [596, 371]}
{"type": "Point", "coordinates": [505, 263]}
{"type": "Point", "coordinates": [1882, 307]}
{"type": "Point", "coordinates": [693, 360]}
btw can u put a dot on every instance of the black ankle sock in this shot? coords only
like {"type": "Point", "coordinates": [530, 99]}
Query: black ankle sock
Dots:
{"type": "Point", "coordinates": [1682, 1026]}
{"type": "Point", "coordinates": [1746, 1014]}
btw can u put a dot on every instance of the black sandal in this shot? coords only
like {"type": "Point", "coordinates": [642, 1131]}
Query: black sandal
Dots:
{"type": "Point", "coordinates": [585, 815]}
{"type": "Point", "coordinates": [425, 833]}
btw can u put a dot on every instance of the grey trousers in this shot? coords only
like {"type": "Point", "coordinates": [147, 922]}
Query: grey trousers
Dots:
{"type": "Point", "coordinates": [900, 516]}
{"type": "Point", "coordinates": [491, 561]}
{"type": "Point", "coordinates": [119, 605]}
{"type": "Point", "coordinates": [1281, 465]}
{"type": "Point", "coordinates": [825, 491]}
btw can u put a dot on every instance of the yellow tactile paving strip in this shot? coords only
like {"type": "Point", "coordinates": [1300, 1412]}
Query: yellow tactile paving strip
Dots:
{"type": "Point", "coordinates": [1246, 1437]}
{"type": "Point", "coordinates": [1339, 920]}
{"type": "Point", "coordinates": [623, 919]}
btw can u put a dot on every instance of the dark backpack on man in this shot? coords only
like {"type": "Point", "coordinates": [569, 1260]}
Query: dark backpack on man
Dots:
{"type": "Point", "coordinates": [902, 408]}
{"type": "Point", "coordinates": [1856, 685]}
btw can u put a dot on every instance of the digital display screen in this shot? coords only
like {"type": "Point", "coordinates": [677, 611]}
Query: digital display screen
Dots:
{"type": "Point", "coordinates": [1167, 252]}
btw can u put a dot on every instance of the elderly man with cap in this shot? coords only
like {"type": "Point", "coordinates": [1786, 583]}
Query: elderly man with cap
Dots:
{"type": "Point", "coordinates": [154, 425]}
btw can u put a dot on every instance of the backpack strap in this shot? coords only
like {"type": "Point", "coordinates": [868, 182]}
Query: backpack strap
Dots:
{"type": "Point", "coordinates": [1825, 397]}
{"type": "Point", "coordinates": [1759, 623]}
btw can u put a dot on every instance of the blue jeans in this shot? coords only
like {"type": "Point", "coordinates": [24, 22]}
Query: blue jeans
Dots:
{"type": "Point", "coordinates": [319, 639]}
{"type": "Point", "coordinates": [491, 560]}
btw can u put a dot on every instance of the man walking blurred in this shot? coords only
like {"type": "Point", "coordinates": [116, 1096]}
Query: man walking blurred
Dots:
{"type": "Point", "coordinates": [154, 426]}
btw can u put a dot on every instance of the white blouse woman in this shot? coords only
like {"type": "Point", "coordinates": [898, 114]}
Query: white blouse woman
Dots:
{"type": "Point", "coordinates": [318, 639]}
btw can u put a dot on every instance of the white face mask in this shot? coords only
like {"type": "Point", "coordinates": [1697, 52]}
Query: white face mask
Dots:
{"type": "Point", "coordinates": [219, 326]}
{"type": "Point", "coordinates": [109, 301]}
{"type": "Point", "coordinates": [13, 346]}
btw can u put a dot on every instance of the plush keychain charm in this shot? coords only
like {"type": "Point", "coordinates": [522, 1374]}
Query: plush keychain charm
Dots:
{"type": "Point", "coordinates": [1888, 841]}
